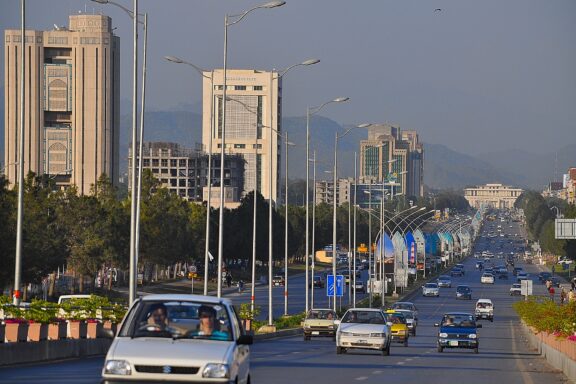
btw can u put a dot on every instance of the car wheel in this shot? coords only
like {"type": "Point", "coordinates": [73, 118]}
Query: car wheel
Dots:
{"type": "Point", "coordinates": [476, 350]}
{"type": "Point", "coordinates": [491, 319]}
{"type": "Point", "coordinates": [414, 332]}
{"type": "Point", "coordinates": [386, 351]}
{"type": "Point", "coordinates": [440, 349]}
{"type": "Point", "coordinates": [406, 342]}
{"type": "Point", "coordinates": [306, 337]}
{"type": "Point", "coordinates": [338, 350]}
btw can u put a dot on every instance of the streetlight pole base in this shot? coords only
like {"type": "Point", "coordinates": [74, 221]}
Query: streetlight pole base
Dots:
{"type": "Point", "coordinates": [395, 295]}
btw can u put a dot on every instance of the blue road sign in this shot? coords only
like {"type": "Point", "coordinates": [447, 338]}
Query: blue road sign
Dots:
{"type": "Point", "coordinates": [339, 285]}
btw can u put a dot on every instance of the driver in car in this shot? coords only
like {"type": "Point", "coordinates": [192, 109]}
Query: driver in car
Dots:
{"type": "Point", "coordinates": [158, 316]}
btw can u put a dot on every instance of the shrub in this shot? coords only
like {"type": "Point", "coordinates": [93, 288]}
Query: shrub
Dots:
{"type": "Point", "coordinates": [546, 316]}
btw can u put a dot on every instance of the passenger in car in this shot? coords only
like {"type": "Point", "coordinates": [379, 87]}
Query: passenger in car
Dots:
{"type": "Point", "coordinates": [208, 325]}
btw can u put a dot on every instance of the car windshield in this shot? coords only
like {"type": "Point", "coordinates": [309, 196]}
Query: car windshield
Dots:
{"type": "Point", "coordinates": [462, 289]}
{"type": "Point", "coordinates": [321, 314]}
{"type": "Point", "coordinates": [364, 317]}
{"type": "Point", "coordinates": [444, 277]}
{"type": "Point", "coordinates": [459, 320]}
{"type": "Point", "coordinates": [408, 306]}
{"type": "Point", "coordinates": [179, 320]}
{"type": "Point", "coordinates": [431, 285]}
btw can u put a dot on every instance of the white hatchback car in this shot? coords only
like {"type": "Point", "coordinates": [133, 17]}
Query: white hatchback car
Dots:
{"type": "Point", "coordinates": [175, 338]}
{"type": "Point", "coordinates": [363, 328]}
{"type": "Point", "coordinates": [487, 278]}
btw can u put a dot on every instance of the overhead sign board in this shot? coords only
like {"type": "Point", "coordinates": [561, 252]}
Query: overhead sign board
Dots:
{"type": "Point", "coordinates": [526, 288]}
{"type": "Point", "coordinates": [565, 228]}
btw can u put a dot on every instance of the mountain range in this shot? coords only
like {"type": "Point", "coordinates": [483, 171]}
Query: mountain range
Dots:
{"type": "Point", "coordinates": [443, 167]}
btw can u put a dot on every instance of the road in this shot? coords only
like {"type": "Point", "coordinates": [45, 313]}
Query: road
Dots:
{"type": "Point", "coordinates": [504, 355]}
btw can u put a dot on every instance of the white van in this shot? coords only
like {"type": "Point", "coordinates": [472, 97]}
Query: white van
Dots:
{"type": "Point", "coordinates": [484, 309]}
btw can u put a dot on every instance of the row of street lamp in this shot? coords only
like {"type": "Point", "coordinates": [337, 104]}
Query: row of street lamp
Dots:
{"type": "Point", "coordinates": [136, 169]}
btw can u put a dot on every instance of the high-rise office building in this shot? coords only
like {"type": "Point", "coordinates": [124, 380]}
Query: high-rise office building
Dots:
{"type": "Point", "coordinates": [392, 156]}
{"type": "Point", "coordinates": [72, 102]}
{"type": "Point", "coordinates": [253, 119]}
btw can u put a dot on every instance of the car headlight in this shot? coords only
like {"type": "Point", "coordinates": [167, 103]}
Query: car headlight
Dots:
{"type": "Point", "coordinates": [443, 334]}
{"type": "Point", "coordinates": [117, 367]}
{"type": "Point", "coordinates": [331, 327]}
{"type": "Point", "coordinates": [346, 333]}
{"type": "Point", "coordinates": [216, 371]}
{"type": "Point", "coordinates": [472, 336]}
{"type": "Point", "coordinates": [377, 335]}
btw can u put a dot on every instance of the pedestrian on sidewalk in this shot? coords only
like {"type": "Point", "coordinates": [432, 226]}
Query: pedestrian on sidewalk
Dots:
{"type": "Point", "coordinates": [572, 296]}
{"type": "Point", "coordinates": [551, 291]}
{"type": "Point", "coordinates": [563, 296]}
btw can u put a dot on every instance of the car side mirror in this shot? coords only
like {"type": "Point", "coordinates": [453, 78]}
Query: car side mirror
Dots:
{"type": "Point", "coordinates": [336, 322]}
{"type": "Point", "coordinates": [478, 325]}
{"type": "Point", "coordinates": [106, 333]}
{"type": "Point", "coordinates": [436, 324]}
{"type": "Point", "coordinates": [245, 340]}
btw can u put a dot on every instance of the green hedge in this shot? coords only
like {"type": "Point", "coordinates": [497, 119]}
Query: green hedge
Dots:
{"type": "Point", "coordinates": [547, 316]}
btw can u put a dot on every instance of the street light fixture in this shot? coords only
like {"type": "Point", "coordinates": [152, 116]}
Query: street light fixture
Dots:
{"type": "Point", "coordinates": [230, 20]}
{"type": "Point", "coordinates": [335, 203]}
{"type": "Point", "coordinates": [201, 72]}
{"type": "Point", "coordinates": [310, 111]}
{"type": "Point", "coordinates": [136, 188]}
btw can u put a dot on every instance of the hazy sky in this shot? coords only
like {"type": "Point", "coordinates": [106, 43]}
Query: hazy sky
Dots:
{"type": "Point", "coordinates": [478, 76]}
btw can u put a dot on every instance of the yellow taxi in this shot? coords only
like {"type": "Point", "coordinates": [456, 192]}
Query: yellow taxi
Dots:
{"type": "Point", "coordinates": [398, 326]}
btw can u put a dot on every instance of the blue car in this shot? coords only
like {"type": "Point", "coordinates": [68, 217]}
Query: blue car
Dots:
{"type": "Point", "coordinates": [458, 330]}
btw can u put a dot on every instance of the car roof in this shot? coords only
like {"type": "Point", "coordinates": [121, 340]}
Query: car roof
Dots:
{"type": "Point", "coordinates": [463, 286]}
{"type": "Point", "coordinates": [484, 301]}
{"type": "Point", "coordinates": [404, 302]}
{"type": "Point", "coordinates": [365, 309]}
{"type": "Point", "coordinates": [458, 313]}
{"type": "Point", "coordinates": [184, 297]}
{"type": "Point", "coordinates": [322, 309]}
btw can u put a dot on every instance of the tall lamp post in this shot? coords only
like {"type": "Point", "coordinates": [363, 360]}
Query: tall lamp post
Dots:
{"type": "Point", "coordinates": [335, 202]}
{"type": "Point", "coordinates": [287, 144]}
{"type": "Point", "coordinates": [18, 257]}
{"type": "Point", "coordinates": [134, 203]}
{"type": "Point", "coordinates": [201, 71]}
{"type": "Point", "coordinates": [310, 111]}
{"type": "Point", "coordinates": [229, 20]}
{"type": "Point", "coordinates": [270, 208]}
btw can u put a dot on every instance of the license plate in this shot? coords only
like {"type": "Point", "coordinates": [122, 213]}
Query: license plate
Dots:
{"type": "Point", "coordinates": [453, 343]}
{"type": "Point", "coordinates": [362, 341]}
{"type": "Point", "coordinates": [315, 332]}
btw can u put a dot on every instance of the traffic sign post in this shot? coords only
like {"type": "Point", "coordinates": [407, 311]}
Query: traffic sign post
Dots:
{"type": "Point", "coordinates": [339, 285]}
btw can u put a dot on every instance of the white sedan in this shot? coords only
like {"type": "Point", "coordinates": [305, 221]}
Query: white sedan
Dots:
{"type": "Point", "coordinates": [487, 278]}
{"type": "Point", "coordinates": [363, 328]}
{"type": "Point", "coordinates": [179, 338]}
{"type": "Point", "coordinates": [431, 289]}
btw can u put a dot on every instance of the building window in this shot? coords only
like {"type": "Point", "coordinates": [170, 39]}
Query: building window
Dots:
{"type": "Point", "coordinates": [219, 87]}
{"type": "Point", "coordinates": [7, 38]}
{"type": "Point", "coordinates": [59, 40]}
{"type": "Point", "coordinates": [164, 162]}
{"type": "Point", "coordinates": [239, 87]}
{"type": "Point", "coordinates": [257, 87]}
{"type": "Point", "coordinates": [155, 162]}
{"type": "Point", "coordinates": [182, 162]}
{"type": "Point", "coordinates": [259, 117]}
{"type": "Point", "coordinates": [173, 162]}
{"type": "Point", "coordinates": [239, 146]}
{"type": "Point", "coordinates": [146, 162]}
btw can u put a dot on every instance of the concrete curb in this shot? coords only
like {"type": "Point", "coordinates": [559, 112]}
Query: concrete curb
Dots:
{"type": "Point", "coordinates": [278, 334]}
{"type": "Point", "coordinates": [34, 352]}
{"type": "Point", "coordinates": [554, 357]}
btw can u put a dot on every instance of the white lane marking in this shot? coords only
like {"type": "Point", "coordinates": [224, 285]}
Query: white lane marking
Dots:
{"type": "Point", "coordinates": [294, 352]}
{"type": "Point", "coordinates": [377, 372]}
{"type": "Point", "coordinates": [361, 378]}
{"type": "Point", "coordinates": [400, 363]}
{"type": "Point", "coordinates": [408, 359]}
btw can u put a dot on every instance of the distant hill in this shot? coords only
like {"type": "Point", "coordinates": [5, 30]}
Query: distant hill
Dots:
{"type": "Point", "coordinates": [539, 170]}
{"type": "Point", "coordinates": [446, 168]}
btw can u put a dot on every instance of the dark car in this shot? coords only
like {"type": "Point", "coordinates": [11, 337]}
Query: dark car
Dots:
{"type": "Point", "coordinates": [458, 330]}
{"type": "Point", "coordinates": [318, 282]}
{"type": "Point", "coordinates": [543, 276]}
{"type": "Point", "coordinates": [463, 292]}
{"type": "Point", "coordinates": [456, 272]}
